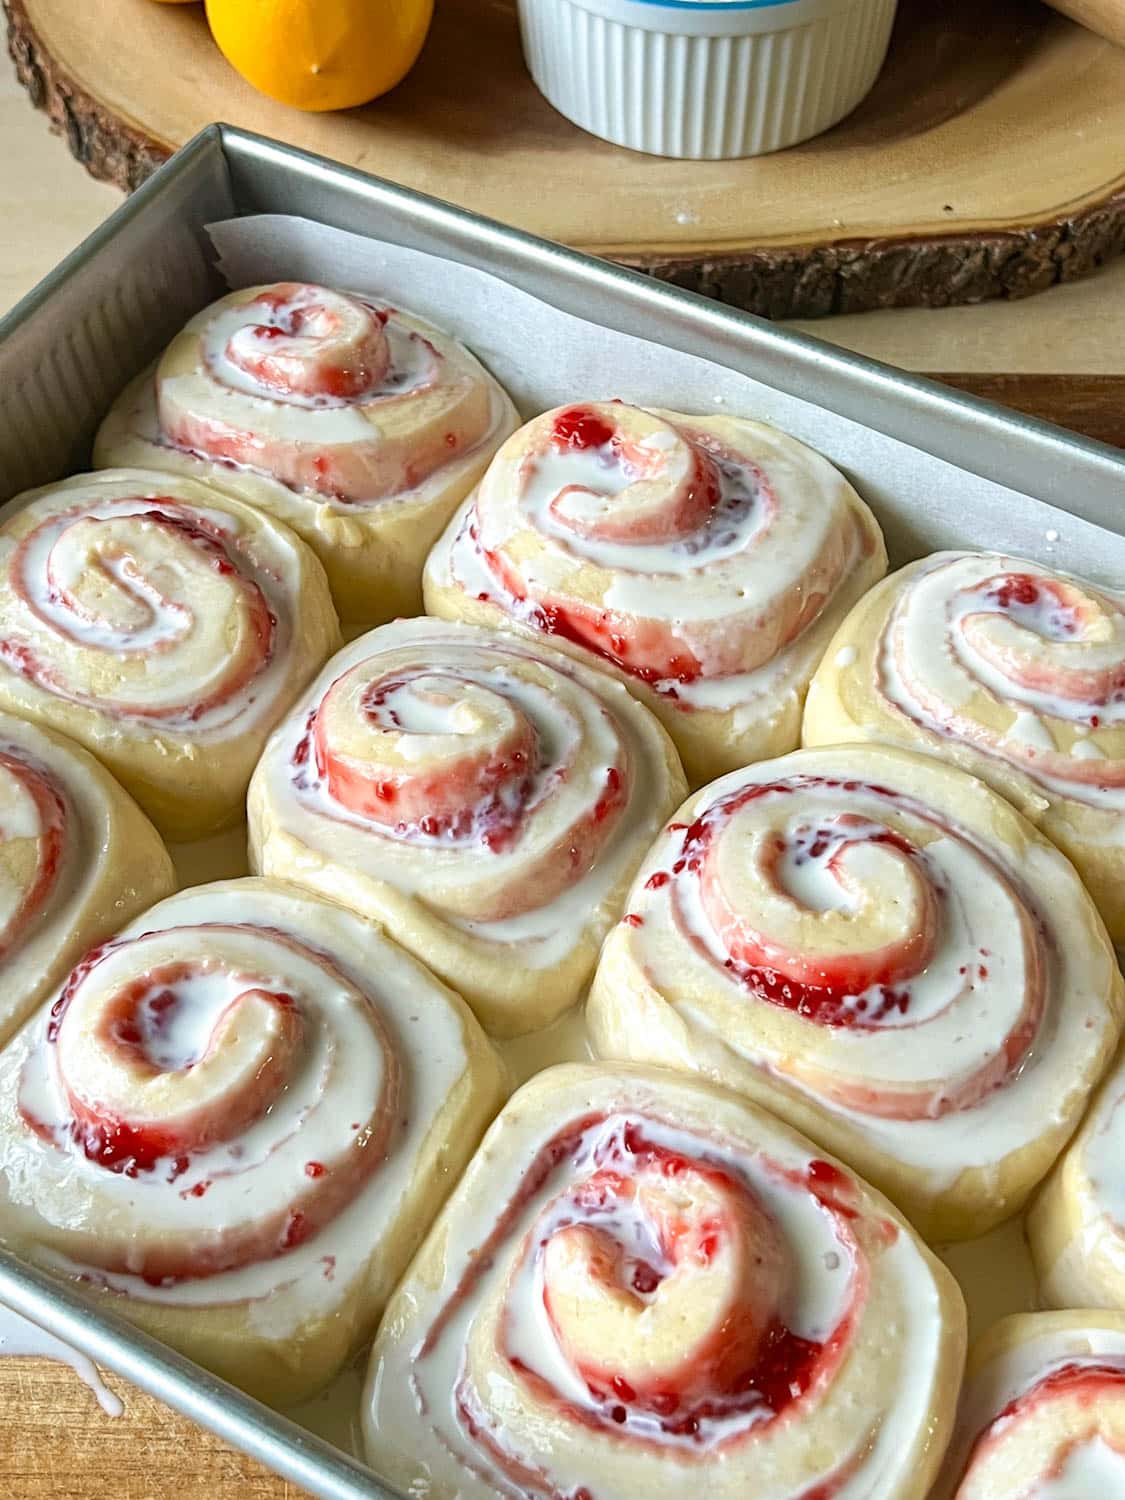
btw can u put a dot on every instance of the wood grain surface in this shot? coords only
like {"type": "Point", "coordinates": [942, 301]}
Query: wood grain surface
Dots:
{"type": "Point", "coordinates": [984, 163]}
{"type": "Point", "coordinates": [56, 1443]}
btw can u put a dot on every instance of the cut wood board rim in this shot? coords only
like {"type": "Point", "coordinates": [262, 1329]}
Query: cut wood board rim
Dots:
{"type": "Point", "coordinates": [781, 275]}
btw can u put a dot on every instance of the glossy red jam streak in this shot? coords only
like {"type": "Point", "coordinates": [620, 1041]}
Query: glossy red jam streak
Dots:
{"type": "Point", "coordinates": [624, 640]}
{"type": "Point", "coordinates": [70, 619]}
{"type": "Point", "coordinates": [40, 881]}
{"type": "Point", "coordinates": [753, 1371]}
{"type": "Point", "coordinates": [1081, 1382]}
{"type": "Point", "coordinates": [858, 990]}
{"type": "Point", "coordinates": [484, 799]}
{"type": "Point", "coordinates": [162, 1148]}
{"type": "Point", "coordinates": [489, 789]}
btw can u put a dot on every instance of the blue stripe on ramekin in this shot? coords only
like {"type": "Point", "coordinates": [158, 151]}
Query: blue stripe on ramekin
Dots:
{"type": "Point", "coordinates": [715, 4]}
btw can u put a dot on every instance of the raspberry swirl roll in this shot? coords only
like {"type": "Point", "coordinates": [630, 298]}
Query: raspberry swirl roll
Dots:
{"type": "Point", "coordinates": [1076, 1227]}
{"type": "Point", "coordinates": [703, 560]}
{"type": "Point", "coordinates": [1042, 1413]}
{"type": "Point", "coordinates": [485, 798]}
{"type": "Point", "coordinates": [235, 1123]}
{"type": "Point", "coordinates": [357, 424]}
{"type": "Point", "coordinates": [1012, 671]}
{"type": "Point", "coordinates": [884, 952]}
{"type": "Point", "coordinates": [165, 627]}
{"type": "Point", "coordinates": [644, 1287]}
{"type": "Point", "coordinates": [77, 858]}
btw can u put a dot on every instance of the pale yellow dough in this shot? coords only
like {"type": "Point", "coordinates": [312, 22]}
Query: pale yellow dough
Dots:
{"type": "Point", "coordinates": [1022, 1459]}
{"type": "Point", "coordinates": [189, 776]}
{"type": "Point", "coordinates": [111, 864]}
{"type": "Point", "coordinates": [846, 702]}
{"type": "Point", "coordinates": [280, 1328]}
{"type": "Point", "coordinates": [372, 553]}
{"type": "Point", "coordinates": [660, 997]}
{"type": "Point", "coordinates": [1074, 1228]}
{"type": "Point", "coordinates": [899, 1390]}
{"type": "Point", "coordinates": [520, 974]}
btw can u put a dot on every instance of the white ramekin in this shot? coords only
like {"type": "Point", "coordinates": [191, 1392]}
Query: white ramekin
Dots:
{"type": "Point", "coordinates": [705, 78]}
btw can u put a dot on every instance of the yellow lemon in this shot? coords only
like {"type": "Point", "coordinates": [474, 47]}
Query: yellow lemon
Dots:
{"type": "Point", "coordinates": [321, 54]}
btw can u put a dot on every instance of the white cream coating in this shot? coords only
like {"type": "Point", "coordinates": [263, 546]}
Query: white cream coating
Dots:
{"type": "Point", "coordinates": [1084, 1265]}
{"type": "Point", "coordinates": [286, 1290]}
{"type": "Point", "coordinates": [268, 559]}
{"type": "Point", "coordinates": [980, 915]}
{"type": "Point", "coordinates": [544, 934]}
{"type": "Point", "coordinates": [1012, 1374]}
{"type": "Point", "coordinates": [408, 1394]}
{"type": "Point", "coordinates": [597, 474]}
{"type": "Point", "coordinates": [456, 562]}
{"type": "Point", "coordinates": [926, 628]}
{"type": "Point", "coordinates": [21, 1338]}
{"type": "Point", "coordinates": [1088, 1470]}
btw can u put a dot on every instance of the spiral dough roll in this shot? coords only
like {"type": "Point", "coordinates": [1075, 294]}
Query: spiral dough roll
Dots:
{"type": "Point", "coordinates": [357, 424]}
{"type": "Point", "coordinates": [1076, 1227]}
{"type": "Point", "coordinates": [235, 1122]}
{"type": "Point", "coordinates": [163, 626]}
{"type": "Point", "coordinates": [704, 560]}
{"type": "Point", "coordinates": [1042, 1411]}
{"type": "Point", "coordinates": [645, 1287]}
{"type": "Point", "coordinates": [485, 798]}
{"type": "Point", "coordinates": [1013, 672]}
{"type": "Point", "coordinates": [77, 858]}
{"type": "Point", "coordinates": [883, 951]}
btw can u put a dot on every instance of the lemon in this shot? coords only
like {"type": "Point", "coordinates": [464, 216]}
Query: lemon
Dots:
{"type": "Point", "coordinates": [321, 54]}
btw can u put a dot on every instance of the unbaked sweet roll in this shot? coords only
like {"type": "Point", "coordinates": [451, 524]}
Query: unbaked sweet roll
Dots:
{"type": "Point", "coordinates": [1011, 671]}
{"type": "Point", "coordinates": [884, 952]}
{"type": "Point", "coordinates": [704, 560]}
{"type": "Point", "coordinates": [358, 424]}
{"type": "Point", "coordinates": [485, 798]}
{"type": "Point", "coordinates": [165, 627]}
{"type": "Point", "coordinates": [1042, 1414]}
{"type": "Point", "coordinates": [77, 859]}
{"type": "Point", "coordinates": [1076, 1227]}
{"type": "Point", "coordinates": [644, 1287]}
{"type": "Point", "coordinates": [235, 1124]}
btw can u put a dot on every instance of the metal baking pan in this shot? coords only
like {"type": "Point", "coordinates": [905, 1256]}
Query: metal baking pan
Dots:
{"type": "Point", "coordinates": [73, 342]}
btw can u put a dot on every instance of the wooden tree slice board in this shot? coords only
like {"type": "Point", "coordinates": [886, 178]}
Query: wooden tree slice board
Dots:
{"type": "Point", "coordinates": [986, 162]}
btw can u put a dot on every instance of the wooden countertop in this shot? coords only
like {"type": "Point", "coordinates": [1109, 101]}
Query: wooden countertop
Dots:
{"type": "Point", "coordinates": [1067, 346]}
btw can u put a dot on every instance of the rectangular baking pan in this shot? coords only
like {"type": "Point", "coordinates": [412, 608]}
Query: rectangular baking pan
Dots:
{"type": "Point", "coordinates": [73, 342]}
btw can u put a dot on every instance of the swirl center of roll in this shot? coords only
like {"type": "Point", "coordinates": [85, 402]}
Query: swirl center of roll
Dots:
{"type": "Point", "coordinates": [613, 472]}
{"type": "Point", "coordinates": [840, 904]}
{"type": "Point", "coordinates": [301, 340]}
{"type": "Point", "coordinates": [111, 586]}
{"type": "Point", "coordinates": [32, 831]}
{"type": "Point", "coordinates": [173, 1060]}
{"type": "Point", "coordinates": [1047, 635]}
{"type": "Point", "coordinates": [431, 749]}
{"type": "Point", "coordinates": [664, 1284]}
{"type": "Point", "coordinates": [832, 906]}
